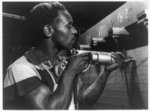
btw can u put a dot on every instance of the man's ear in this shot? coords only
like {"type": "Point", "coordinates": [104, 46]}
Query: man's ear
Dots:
{"type": "Point", "coordinates": [48, 30]}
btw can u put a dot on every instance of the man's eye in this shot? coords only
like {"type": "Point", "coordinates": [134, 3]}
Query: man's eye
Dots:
{"type": "Point", "coordinates": [69, 26]}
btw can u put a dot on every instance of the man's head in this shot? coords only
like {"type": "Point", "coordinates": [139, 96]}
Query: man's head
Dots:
{"type": "Point", "coordinates": [52, 21]}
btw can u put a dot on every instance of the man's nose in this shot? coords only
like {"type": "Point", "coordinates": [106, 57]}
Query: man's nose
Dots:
{"type": "Point", "coordinates": [74, 31]}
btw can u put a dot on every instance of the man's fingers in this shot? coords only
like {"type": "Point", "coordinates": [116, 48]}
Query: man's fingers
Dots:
{"type": "Point", "coordinates": [123, 56]}
{"type": "Point", "coordinates": [112, 67]}
{"type": "Point", "coordinates": [119, 57]}
{"type": "Point", "coordinates": [115, 56]}
{"type": "Point", "coordinates": [83, 54]}
{"type": "Point", "coordinates": [86, 60]}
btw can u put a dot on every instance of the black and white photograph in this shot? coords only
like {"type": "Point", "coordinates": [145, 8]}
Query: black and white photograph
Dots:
{"type": "Point", "coordinates": [75, 55]}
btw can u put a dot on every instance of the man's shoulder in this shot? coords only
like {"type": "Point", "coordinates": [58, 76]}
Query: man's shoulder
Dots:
{"type": "Point", "coordinates": [21, 65]}
{"type": "Point", "coordinates": [20, 79]}
{"type": "Point", "coordinates": [20, 61]}
{"type": "Point", "coordinates": [18, 71]}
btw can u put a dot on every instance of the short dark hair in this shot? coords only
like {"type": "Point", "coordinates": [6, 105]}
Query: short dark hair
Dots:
{"type": "Point", "coordinates": [40, 15]}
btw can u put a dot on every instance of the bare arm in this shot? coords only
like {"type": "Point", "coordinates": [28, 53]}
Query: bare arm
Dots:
{"type": "Point", "coordinates": [95, 90]}
{"type": "Point", "coordinates": [41, 98]}
{"type": "Point", "coordinates": [88, 97]}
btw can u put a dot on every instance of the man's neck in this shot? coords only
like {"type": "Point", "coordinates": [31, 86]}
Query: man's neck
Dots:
{"type": "Point", "coordinates": [49, 49]}
{"type": "Point", "coordinates": [45, 51]}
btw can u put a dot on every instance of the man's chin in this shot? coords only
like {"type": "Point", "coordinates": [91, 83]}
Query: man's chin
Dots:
{"type": "Point", "coordinates": [67, 48]}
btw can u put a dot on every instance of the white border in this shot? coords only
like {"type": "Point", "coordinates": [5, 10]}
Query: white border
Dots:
{"type": "Point", "coordinates": [1, 61]}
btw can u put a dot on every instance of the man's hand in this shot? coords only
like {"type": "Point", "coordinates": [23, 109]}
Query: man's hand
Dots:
{"type": "Point", "coordinates": [78, 62]}
{"type": "Point", "coordinates": [119, 57]}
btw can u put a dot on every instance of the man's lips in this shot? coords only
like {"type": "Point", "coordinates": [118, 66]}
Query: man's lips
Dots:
{"type": "Point", "coordinates": [73, 41]}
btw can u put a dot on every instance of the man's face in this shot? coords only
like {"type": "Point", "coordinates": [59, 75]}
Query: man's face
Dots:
{"type": "Point", "coordinates": [64, 31]}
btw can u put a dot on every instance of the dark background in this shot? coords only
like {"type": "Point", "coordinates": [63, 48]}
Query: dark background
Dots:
{"type": "Point", "coordinates": [15, 42]}
{"type": "Point", "coordinates": [85, 14]}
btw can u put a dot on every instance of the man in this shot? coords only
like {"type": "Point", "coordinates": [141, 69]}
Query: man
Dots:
{"type": "Point", "coordinates": [43, 78]}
